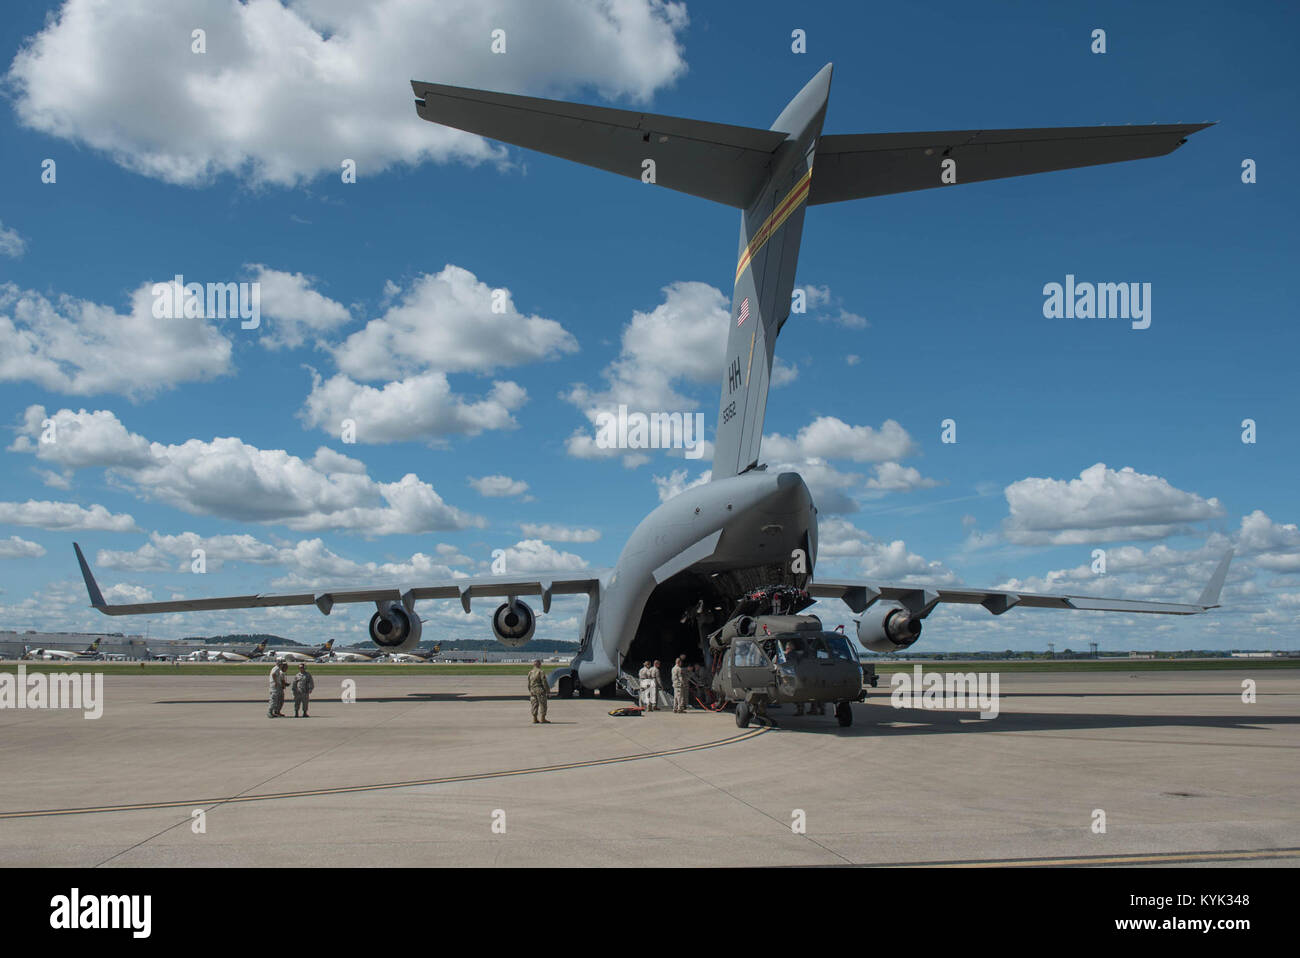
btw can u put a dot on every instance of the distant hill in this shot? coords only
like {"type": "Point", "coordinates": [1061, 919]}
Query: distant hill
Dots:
{"type": "Point", "coordinates": [492, 645]}
{"type": "Point", "coordinates": [240, 639]}
{"type": "Point", "coordinates": [489, 645]}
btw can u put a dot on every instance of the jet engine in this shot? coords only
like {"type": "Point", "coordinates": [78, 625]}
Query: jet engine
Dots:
{"type": "Point", "coordinates": [888, 627]}
{"type": "Point", "coordinates": [394, 629]}
{"type": "Point", "coordinates": [513, 622]}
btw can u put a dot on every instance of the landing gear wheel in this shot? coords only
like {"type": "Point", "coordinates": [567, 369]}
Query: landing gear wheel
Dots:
{"type": "Point", "coordinates": [742, 714]}
{"type": "Point", "coordinates": [844, 713]}
{"type": "Point", "coordinates": [585, 693]}
{"type": "Point", "coordinates": [609, 691]}
{"type": "Point", "coordinates": [564, 687]}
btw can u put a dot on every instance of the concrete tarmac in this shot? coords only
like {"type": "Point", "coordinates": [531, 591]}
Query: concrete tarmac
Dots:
{"type": "Point", "coordinates": [1184, 771]}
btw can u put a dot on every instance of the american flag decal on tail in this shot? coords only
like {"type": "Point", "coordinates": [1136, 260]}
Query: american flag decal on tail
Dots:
{"type": "Point", "coordinates": [744, 313]}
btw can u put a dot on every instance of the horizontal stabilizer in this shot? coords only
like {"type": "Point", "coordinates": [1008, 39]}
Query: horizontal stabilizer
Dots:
{"type": "Point", "coordinates": [727, 164]}
{"type": "Point", "coordinates": [874, 164]}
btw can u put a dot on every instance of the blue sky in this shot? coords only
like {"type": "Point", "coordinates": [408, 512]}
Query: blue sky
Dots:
{"type": "Point", "coordinates": [224, 166]}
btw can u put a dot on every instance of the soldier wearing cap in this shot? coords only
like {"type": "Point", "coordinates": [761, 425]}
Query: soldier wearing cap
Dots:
{"type": "Point", "coordinates": [679, 684]}
{"type": "Point", "coordinates": [275, 705]}
{"type": "Point", "coordinates": [303, 686]}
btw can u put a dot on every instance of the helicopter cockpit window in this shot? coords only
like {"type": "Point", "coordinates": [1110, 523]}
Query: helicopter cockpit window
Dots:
{"type": "Point", "coordinates": [839, 647]}
{"type": "Point", "coordinates": [789, 649]}
{"type": "Point", "coordinates": [748, 655]}
{"type": "Point", "coordinates": [817, 648]}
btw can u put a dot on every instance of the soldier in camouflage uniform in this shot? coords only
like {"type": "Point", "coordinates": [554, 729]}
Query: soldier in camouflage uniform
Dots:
{"type": "Point", "coordinates": [275, 705]}
{"type": "Point", "coordinates": [303, 686]}
{"type": "Point", "coordinates": [538, 693]}
{"type": "Point", "coordinates": [679, 684]}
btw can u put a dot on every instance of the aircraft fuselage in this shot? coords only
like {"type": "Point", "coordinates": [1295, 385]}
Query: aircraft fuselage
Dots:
{"type": "Point", "coordinates": [711, 544]}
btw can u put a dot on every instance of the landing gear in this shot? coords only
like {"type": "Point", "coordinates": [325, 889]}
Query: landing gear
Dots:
{"type": "Point", "coordinates": [585, 693]}
{"type": "Point", "coordinates": [564, 688]}
{"type": "Point", "coordinates": [742, 714]}
{"type": "Point", "coordinates": [844, 714]}
{"type": "Point", "coordinates": [609, 691]}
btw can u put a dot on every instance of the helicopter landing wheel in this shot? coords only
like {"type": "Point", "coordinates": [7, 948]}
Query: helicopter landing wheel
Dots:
{"type": "Point", "coordinates": [844, 714]}
{"type": "Point", "coordinates": [742, 714]}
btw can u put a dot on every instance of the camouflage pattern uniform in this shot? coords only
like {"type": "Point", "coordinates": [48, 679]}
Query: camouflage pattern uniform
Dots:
{"type": "Point", "coordinates": [679, 688]}
{"type": "Point", "coordinates": [538, 693]}
{"type": "Point", "coordinates": [303, 686]}
{"type": "Point", "coordinates": [276, 702]}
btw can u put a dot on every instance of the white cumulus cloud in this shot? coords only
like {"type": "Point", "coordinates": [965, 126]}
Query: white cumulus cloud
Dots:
{"type": "Point", "coordinates": [285, 92]}
{"type": "Point", "coordinates": [78, 347]}
{"type": "Point", "coordinates": [1102, 505]}
{"type": "Point", "coordinates": [230, 478]}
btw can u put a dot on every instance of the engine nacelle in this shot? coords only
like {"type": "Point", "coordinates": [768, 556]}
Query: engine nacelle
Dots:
{"type": "Point", "coordinates": [888, 627]}
{"type": "Point", "coordinates": [394, 629]}
{"type": "Point", "coordinates": [513, 623]}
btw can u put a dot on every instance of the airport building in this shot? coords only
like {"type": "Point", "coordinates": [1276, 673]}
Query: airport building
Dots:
{"type": "Point", "coordinates": [12, 643]}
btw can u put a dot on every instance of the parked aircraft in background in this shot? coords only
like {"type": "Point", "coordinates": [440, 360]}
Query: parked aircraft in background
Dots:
{"type": "Point", "coordinates": [50, 655]}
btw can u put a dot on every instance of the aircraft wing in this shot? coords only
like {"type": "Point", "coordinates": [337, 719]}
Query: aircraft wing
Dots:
{"type": "Point", "coordinates": [920, 601]}
{"type": "Point", "coordinates": [853, 166]}
{"type": "Point", "coordinates": [325, 599]}
{"type": "Point", "coordinates": [715, 161]}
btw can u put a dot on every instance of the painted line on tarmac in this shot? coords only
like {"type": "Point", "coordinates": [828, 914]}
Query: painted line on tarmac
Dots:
{"type": "Point", "coordinates": [345, 789]}
{"type": "Point", "coordinates": [1157, 858]}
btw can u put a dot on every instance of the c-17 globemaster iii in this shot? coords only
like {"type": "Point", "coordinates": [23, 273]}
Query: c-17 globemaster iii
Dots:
{"type": "Point", "coordinates": [689, 564]}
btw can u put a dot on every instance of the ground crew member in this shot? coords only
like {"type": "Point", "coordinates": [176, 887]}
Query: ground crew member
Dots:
{"type": "Point", "coordinates": [303, 686]}
{"type": "Point", "coordinates": [656, 682]}
{"type": "Point", "coordinates": [538, 693]}
{"type": "Point", "coordinates": [679, 684]}
{"type": "Point", "coordinates": [275, 706]}
{"type": "Point", "coordinates": [646, 685]}
{"type": "Point", "coordinates": [700, 680]}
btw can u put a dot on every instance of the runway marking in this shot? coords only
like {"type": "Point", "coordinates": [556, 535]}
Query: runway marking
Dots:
{"type": "Point", "coordinates": [345, 789]}
{"type": "Point", "coordinates": [1077, 860]}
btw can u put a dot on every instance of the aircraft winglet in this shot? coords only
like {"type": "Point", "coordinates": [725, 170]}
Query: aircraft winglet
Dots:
{"type": "Point", "coordinates": [96, 597]}
{"type": "Point", "coordinates": [1210, 595]}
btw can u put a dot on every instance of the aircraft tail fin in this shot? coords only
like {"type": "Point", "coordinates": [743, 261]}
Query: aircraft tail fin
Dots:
{"type": "Point", "coordinates": [770, 233]}
{"type": "Point", "coordinates": [769, 175]}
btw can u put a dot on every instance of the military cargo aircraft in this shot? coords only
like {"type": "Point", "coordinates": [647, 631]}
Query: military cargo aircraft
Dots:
{"type": "Point", "coordinates": [690, 562]}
